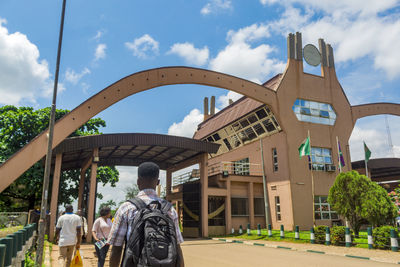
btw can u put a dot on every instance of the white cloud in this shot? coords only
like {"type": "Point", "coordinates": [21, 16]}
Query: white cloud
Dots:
{"type": "Point", "coordinates": [143, 47]}
{"type": "Point", "coordinates": [239, 58]}
{"type": "Point", "coordinates": [188, 125]}
{"type": "Point", "coordinates": [100, 52]}
{"type": "Point", "coordinates": [190, 54]}
{"type": "Point", "coordinates": [223, 100]}
{"type": "Point", "coordinates": [356, 29]}
{"type": "Point", "coordinates": [98, 35]}
{"type": "Point", "coordinates": [73, 77]}
{"type": "Point", "coordinates": [215, 6]}
{"type": "Point", "coordinates": [23, 76]}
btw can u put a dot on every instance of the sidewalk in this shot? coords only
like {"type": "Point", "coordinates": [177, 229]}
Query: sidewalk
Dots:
{"type": "Point", "coordinates": [368, 254]}
{"type": "Point", "coordinates": [88, 254]}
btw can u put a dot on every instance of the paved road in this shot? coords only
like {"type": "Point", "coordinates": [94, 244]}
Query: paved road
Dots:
{"type": "Point", "coordinates": [215, 253]}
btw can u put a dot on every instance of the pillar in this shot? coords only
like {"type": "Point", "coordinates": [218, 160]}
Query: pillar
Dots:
{"type": "Point", "coordinates": [168, 182]}
{"type": "Point", "coordinates": [92, 197]}
{"type": "Point", "coordinates": [81, 188]}
{"type": "Point", "coordinates": [228, 209]}
{"type": "Point", "coordinates": [251, 205]}
{"type": "Point", "coordinates": [54, 195]}
{"type": "Point", "coordinates": [204, 194]}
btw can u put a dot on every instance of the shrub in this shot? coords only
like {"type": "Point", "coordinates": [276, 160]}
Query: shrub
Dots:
{"type": "Point", "coordinates": [320, 234]}
{"type": "Point", "coordinates": [381, 236]}
{"type": "Point", "coordinates": [338, 235]}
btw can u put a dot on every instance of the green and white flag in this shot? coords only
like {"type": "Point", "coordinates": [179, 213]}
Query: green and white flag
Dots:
{"type": "Point", "coordinates": [367, 152]}
{"type": "Point", "coordinates": [305, 148]}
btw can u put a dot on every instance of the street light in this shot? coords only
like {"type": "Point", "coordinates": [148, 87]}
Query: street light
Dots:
{"type": "Point", "coordinates": [47, 168]}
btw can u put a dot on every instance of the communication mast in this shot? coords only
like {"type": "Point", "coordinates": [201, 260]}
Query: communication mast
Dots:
{"type": "Point", "coordinates": [389, 137]}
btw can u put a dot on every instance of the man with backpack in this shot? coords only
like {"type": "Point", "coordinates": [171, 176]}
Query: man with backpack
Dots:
{"type": "Point", "coordinates": [148, 225]}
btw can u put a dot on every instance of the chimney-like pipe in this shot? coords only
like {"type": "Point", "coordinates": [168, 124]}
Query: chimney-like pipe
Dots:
{"type": "Point", "coordinates": [212, 106]}
{"type": "Point", "coordinates": [205, 108]}
{"type": "Point", "coordinates": [230, 101]}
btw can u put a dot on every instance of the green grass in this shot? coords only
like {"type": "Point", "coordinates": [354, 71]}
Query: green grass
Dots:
{"type": "Point", "coordinates": [9, 230]}
{"type": "Point", "coordinates": [361, 241]}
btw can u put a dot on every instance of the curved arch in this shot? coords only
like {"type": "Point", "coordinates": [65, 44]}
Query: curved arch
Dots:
{"type": "Point", "coordinates": [18, 163]}
{"type": "Point", "coordinates": [372, 109]}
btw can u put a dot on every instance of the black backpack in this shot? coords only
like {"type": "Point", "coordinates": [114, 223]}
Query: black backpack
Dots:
{"type": "Point", "coordinates": [152, 241]}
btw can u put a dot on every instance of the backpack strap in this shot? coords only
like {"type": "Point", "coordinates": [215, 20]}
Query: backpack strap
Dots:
{"type": "Point", "coordinates": [166, 206]}
{"type": "Point", "coordinates": [140, 204]}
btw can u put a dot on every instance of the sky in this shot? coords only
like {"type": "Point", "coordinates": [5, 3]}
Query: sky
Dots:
{"type": "Point", "coordinates": [105, 41]}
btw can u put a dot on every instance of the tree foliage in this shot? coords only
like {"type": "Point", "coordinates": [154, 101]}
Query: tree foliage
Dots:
{"type": "Point", "coordinates": [131, 191]}
{"type": "Point", "coordinates": [18, 126]}
{"type": "Point", "coordinates": [360, 200]}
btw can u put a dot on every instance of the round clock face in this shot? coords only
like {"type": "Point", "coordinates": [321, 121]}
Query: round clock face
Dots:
{"type": "Point", "coordinates": [311, 55]}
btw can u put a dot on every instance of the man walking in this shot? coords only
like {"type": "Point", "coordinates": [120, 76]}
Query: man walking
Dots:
{"type": "Point", "coordinates": [84, 225]}
{"type": "Point", "coordinates": [68, 235]}
{"type": "Point", "coordinates": [147, 182]}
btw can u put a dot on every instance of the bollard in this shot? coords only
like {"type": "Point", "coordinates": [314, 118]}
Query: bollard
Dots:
{"type": "Point", "coordinates": [282, 231]}
{"type": "Point", "coordinates": [393, 240]}
{"type": "Point", "coordinates": [269, 230]}
{"type": "Point", "coordinates": [296, 233]}
{"type": "Point", "coordinates": [233, 231]}
{"type": "Point", "coordinates": [248, 229]}
{"type": "Point", "coordinates": [8, 242]}
{"type": "Point", "coordinates": [19, 240]}
{"type": "Point", "coordinates": [258, 229]}
{"type": "Point", "coordinates": [240, 230]}
{"type": "Point", "coordinates": [347, 237]}
{"type": "Point", "coordinates": [2, 254]}
{"type": "Point", "coordinates": [327, 236]}
{"type": "Point", "coordinates": [312, 235]}
{"type": "Point", "coordinates": [14, 245]}
{"type": "Point", "coordinates": [370, 239]}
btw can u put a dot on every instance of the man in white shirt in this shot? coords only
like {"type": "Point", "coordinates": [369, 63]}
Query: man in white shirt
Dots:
{"type": "Point", "coordinates": [68, 235]}
{"type": "Point", "coordinates": [84, 228]}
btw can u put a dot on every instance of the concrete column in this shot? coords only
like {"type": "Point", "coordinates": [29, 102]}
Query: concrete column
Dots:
{"type": "Point", "coordinates": [92, 197]}
{"type": "Point", "coordinates": [54, 195]}
{"type": "Point", "coordinates": [169, 182]}
{"type": "Point", "coordinates": [251, 205]}
{"type": "Point", "coordinates": [81, 188]}
{"type": "Point", "coordinates": [228, 209]}
{"type": "Point", "coordinates": [204, 194]}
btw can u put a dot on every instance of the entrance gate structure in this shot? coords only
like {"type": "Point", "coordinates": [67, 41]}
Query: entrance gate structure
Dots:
{"type": "Point", "coordinates": [169, 152]}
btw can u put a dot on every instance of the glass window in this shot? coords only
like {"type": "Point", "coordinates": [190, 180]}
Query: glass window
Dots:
{"type": "Point", "coordinates": [228, 145]}
{"type": "Point", "coordinates": [259, 209]}
{"type": "Point", "coordinates": [216, 137]}
{"type": "Point", "coordinates": [210, 139]}
{"type": "Point", "coordinates": [258, 128]}
{"type": "Point", "coordinates": [278, 209]}
{"type": "Point", "coordinates": [239, 206]}
{"type": "Point", "coordinates": [236, 126]}
{"type": "Point", "coordinates": [242, 167]}
{"type": "Point", "coordinates": [244, 123]}
{"type": "Point", "coordinates": [261, 114]}
{"type": "Point", "coordinates": [314, 112]}
{"type": "Point", "coordinates": [235, 140]}
{"type": "Point", "coordinates": [268, 125]}
{"type": "Point", "coordinates": [320, 157]}
{"type": "Point", "coordinates": [275, 159]}
{"type": "Point", "coordinates": [250, 133]}
{"type": "Point", "coordinates": [252, 119]}
{"type": "Point", "coordinates": [323, 210]}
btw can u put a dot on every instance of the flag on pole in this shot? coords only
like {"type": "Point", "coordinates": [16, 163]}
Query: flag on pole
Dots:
{"type": "Point", "coordinates": [341, 159]}
{"type": "Point", "coordinates": [367, 152]}
{"type": "Point", "coordinates": [305, 148]}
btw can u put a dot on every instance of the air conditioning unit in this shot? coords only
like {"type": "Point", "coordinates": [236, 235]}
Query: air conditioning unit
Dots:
{"type": "Point", "coordinates": [330, 168]}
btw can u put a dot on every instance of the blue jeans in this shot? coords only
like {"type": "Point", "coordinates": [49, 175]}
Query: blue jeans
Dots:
{"type": "Point", "coordinates": [101, 255]}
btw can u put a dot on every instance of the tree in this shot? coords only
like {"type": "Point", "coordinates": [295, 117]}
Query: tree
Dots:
{"type": "Point", "coordinates": [395, 198]}
{"type": "Point", "coordinates": [111, 203]}
{"type": "Point", "coordinates": [18, 126]}
{"type": "Point", "coordinates": [131, 191]}
{"type": "Point", "coordinates": [360, 200]}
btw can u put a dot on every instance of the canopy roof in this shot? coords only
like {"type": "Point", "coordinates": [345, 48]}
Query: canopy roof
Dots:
{"type": "Point", "coordinates": [131, 149]}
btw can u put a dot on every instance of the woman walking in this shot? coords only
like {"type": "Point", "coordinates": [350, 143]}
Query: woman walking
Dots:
{"type": "Point", "coordinates": [101, 230]}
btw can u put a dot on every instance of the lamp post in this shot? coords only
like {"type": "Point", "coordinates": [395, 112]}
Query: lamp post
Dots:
{"type": "Point", "coordinates": [47, 169]}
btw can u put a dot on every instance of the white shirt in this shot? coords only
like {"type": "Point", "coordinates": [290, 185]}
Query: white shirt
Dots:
{"type": "Point", "coordinates": [102, 228]}
{"type": "Point", "coordinates": [68, 223]}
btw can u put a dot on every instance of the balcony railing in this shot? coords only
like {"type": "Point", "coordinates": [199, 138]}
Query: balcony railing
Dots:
{"type": "Point", "coordinates": [225, 168]}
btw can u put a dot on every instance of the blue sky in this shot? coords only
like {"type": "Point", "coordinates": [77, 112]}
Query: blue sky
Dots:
{"type": "Point", "coordinates": [105, 41]}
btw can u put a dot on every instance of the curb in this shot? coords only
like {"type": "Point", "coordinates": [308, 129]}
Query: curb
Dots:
{"type": "Point", "coordinates": [294, 249]}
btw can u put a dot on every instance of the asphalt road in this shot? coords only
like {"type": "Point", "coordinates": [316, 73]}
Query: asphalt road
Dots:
{"type": "Point", "coordinates": [215, 253]}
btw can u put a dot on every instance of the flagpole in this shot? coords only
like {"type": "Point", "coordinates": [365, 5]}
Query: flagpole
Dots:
{"type": "Point", "coordinates": [338, 152]}
{"type": "Point", "coordinates": [312, 180]}
{"type": "Point", "coordinates": [366, 167]}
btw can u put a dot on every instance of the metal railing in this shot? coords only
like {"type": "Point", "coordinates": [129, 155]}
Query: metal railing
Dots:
{"type": "Point", "coordinates": [225, 168]}
{"type": "Point", "coordinates": [9, 219]}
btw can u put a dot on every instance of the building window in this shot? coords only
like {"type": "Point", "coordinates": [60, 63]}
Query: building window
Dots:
{"type": "Point", "coordinates": [258, 123]}
{"type": "Point", "coordinates": [275, 159]}
{"type": "Point", "coordinates": [278, 208]}
{"type": "Point", "coordinates": [315, 112]}
{"type": "Point", "coordinates": [320, 158]}
{"type": "Point", "coordinates": [323, 209]}
{"type": "Point", "coordinates": [242, 167]}
{"type": "Point", "coordinates": [239, 207]}
{"type": "Point", "coordinates": [259, 209]}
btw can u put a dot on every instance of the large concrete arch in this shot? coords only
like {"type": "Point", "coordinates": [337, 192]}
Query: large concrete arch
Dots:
{"type": "Point", "coordinates": [22, 160]}
{"type": "Point", "coordinates": [372, 109]}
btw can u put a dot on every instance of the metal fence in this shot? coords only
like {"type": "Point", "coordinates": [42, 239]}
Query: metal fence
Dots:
{"type": "Point", "coordinates": [9, 219]}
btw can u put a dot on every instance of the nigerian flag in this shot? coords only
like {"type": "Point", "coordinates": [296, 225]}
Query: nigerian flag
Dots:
{"type": "Point", "coordinates": [367, 152]}
{"type": "Point", "coordinates": [305, 148]}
